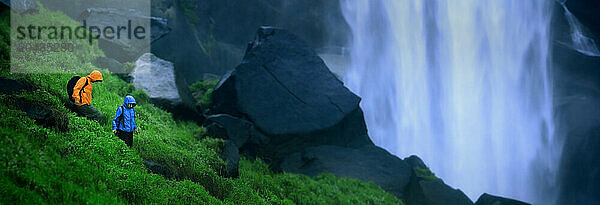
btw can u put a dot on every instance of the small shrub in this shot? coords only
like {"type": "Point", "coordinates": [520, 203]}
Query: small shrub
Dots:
{"type": "Point", "coordinates": [202, 86]}
{"type": "Point", "coordinates": [128, 67]}
{"type": "Point", "coordinates": [203, 93]}
{"type": "Point", "coordinates": [126, 90]}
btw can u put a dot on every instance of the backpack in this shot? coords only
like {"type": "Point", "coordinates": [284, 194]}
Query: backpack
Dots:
{"type": "Point", "coordinates": [71, 85]}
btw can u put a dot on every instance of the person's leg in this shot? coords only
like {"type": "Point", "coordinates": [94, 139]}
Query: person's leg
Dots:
{"type": "Point", "coordinates": [129, 139]}
{"type": "Point", "coordinates": [121, 135]}
{"type": "Point", "coordinates": [91, 113]}
{"type": "Point", "coordinates": [95, 115]}
{"type": "Point", "coordinates": [81, 110]}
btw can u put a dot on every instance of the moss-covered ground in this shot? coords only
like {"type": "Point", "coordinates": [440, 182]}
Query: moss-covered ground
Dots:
{"type": "Point", "coordinates": [88, 164]}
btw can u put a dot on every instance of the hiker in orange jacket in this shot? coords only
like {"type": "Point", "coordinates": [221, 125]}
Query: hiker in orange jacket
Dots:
{"type": "Point", "coordinates": [82, 96]}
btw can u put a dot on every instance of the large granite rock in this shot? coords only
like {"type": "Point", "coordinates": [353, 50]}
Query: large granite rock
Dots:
{"type": "Point", "coordinates": [368, 163]}
{"type": "Point", "coordinates": [425, 188]}
{"type": "Point", "coordinates": [289, 95]}
{"type": "Point", "coordinates": [156, 77]}
{"type": "Point", "coordinates": [231, 156]}
{"type": "Point", "coordinates": [296, 93]}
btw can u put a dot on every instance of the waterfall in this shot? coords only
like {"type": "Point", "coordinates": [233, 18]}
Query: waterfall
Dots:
{"type": "Point", "coordinates": [464, 84]}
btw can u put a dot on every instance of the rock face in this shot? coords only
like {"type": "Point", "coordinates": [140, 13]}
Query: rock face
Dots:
{"type": "Point", "coordinates": [488, 199]}
{"type": "Point", "coordinates": [368, 163]}
{"type": "Point", "coordinates": [156, 77]}
{"type": "Point", "coordinates": [124, 49]}
{"type": "Point", "coordinates": [10, 86]}
{"type": "Point", "coordinates": [426, 189]}
{"type": "Point", "coordinates": [21, 6]}
{"type": "Point", "coordinates": [309, 97]}
{"type": "Point", "coordinates": [231, 156]}
{"type": "Point", "coordinates": [288, 93]}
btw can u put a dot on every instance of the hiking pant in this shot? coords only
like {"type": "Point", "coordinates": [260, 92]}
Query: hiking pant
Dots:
{"type": "Point", "coordinates": [90, 112]}
{"type": "Point", "coordinates": [127, 137]}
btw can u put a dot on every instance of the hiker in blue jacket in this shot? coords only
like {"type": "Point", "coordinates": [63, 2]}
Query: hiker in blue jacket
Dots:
{"type": "Point", "coordinates": [124, 121]}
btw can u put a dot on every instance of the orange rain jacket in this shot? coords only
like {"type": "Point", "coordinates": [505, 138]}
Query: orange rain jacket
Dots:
{"type": "Point", "coordinates": [84, 96]}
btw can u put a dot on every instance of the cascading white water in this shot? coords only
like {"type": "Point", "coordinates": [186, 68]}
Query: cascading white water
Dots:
{"type": "Point", "coordinates": [464, 84]}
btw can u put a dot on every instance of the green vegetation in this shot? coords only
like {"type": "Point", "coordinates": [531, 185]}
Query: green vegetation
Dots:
{"type": "Point", "coordinates": [202, 91]}
{"type": "Point", "coordinates": [425, 173]}
{"type": "Point", "coordinates": [86, 163]}
{"type": "Point", "coordinates": [128, 67]}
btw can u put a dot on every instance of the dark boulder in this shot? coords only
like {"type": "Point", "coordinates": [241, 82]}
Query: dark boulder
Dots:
{"type": "Point", "coordinates": [241, 132]}
{"type": "Point", "coordinates": [368, 163]}
{"type": "Point", "coordinates": [21, 6]}
{"type": "Point", "coordinates": [435, 192]}
{"type": "Point", "coordinates": [488, 199]}
{"type": "Point", "coordinates": [10, 86]}
{"type": "Point", "coordinates": [414, 161]}
{"type": "Point", "coordinates": [43, 115]}
{"type": "Point", "coordinates": [39, 111]}
{"type": "Point", "coordinates": [426, 189]}
{"type": "Point", "coordinates": [157, 168]}
{"type": "Point", "coordinates": [236, 130]}
{"type": "Point", "coordinates": [231, 156]}
{"type": "Point", "coordinates": [290, 95]}
{"type": "Point", "coordinates": [215, 130]}
{"type": "Point", "coordinates": [158, 28]}
{"type": "Point", "coordinates": [280, 64]}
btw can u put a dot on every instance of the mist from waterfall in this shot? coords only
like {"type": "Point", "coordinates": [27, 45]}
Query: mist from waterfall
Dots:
{"type": "Point", "coordinates": [465, 85]}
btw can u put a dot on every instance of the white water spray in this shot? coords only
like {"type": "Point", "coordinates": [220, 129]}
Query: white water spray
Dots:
{"type": "Point", "coordinates": [464, 84]}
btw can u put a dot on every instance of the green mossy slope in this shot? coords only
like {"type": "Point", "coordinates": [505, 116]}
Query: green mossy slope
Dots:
{"type": "Point", "coordinates": [88, 164]}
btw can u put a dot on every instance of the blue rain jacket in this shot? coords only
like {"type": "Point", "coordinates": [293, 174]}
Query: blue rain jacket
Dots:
{"type": "Point", "coordinates": [127, 123]}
